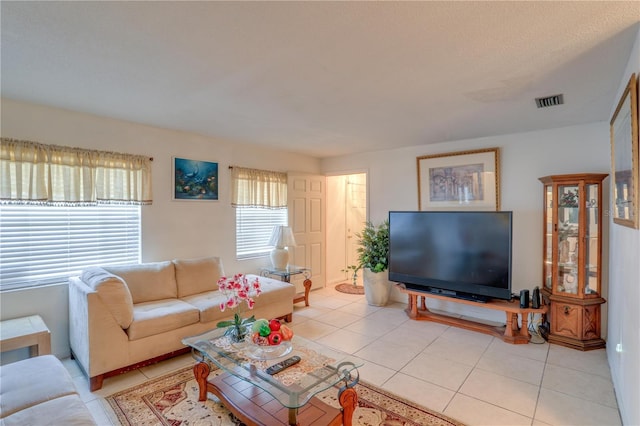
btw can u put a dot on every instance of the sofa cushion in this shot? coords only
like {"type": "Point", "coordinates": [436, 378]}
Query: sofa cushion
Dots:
{"type": "Point", "coordinates": [114, 293]}
{"type": "Point", "coordinates": [148, 281]}
{"type": "Point", "coordinates": [32, 381]}
{"type": "Point", "coordinates": [150, 318]}
{"type": "Point", "coordinates": [208, 303]}
{"type": "Point", "coordinates": [67, 410]}
{"type": "Point", "coordinates": [195, 276]}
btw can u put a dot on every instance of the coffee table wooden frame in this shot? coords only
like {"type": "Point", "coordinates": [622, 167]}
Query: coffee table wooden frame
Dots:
{"type": "Point", "coordinates": [255, 407]}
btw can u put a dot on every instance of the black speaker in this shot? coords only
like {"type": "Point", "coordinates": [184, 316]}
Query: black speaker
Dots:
{"type": "Point", "coordinates": [524, 298]}
{"type": "Point", "coordinates": [535, 298]}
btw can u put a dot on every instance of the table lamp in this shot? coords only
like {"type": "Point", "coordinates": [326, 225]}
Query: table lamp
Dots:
{"type": "Point", "coordinates": [281, 237]}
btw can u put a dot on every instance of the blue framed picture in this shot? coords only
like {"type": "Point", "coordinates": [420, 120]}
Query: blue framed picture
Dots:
{"type": "Point", "coordinates": [195, 180]}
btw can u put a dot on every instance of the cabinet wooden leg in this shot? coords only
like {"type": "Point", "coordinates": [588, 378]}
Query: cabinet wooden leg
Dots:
{"type": "Point", "coordinates": [201, 372]}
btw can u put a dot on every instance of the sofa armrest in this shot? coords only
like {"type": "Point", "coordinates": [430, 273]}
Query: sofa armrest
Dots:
{"type": "Point", "coordinates": [113, 291]}
{"type": "Point", "coordinates": [97, 341]}
{"type": "Point", "coordinates": [276, 300]}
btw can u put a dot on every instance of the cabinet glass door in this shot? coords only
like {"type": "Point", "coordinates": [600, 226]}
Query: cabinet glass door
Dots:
{"type": "Point", "coordinates": [568, 220]}
{"type": "Point", "coordinates": [591, 272]}
{"type": "Point", "coordinates": [548, 236]}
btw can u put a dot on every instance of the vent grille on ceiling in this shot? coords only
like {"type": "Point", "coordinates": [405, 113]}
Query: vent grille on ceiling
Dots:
{"type": "Point", "coordinates": [550, 101]}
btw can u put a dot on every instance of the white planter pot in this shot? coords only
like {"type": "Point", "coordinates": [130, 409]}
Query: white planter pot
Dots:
{"type": "Point", "coordinates": [377, 287]}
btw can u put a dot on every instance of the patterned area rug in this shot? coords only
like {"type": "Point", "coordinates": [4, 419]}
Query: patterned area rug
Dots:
{"type": "Point", "coordinates": [350, 288]}
{"type": "Point", "coordinates": [173, 400]}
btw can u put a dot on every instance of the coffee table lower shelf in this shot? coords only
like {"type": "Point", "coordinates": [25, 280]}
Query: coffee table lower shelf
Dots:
{"type": "Point", "coordinates": [255, 407]}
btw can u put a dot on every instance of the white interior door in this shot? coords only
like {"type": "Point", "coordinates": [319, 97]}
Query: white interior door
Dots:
{"type": "Point", "coordinates": [355, 212]}
{"type": "Point", "coordinates": [345, 216]}
{"type": "Point", "coordinates": [306, 199]}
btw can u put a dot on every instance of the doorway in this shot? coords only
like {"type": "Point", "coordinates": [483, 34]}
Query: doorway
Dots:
{"type": "Point", "coordinates": [346, 216]}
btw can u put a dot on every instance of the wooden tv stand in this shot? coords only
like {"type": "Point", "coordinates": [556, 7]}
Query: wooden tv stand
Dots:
{"type": "Point", "coordinates": [510, 332]}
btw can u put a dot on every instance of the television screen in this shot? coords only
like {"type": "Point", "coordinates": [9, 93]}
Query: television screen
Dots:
{"type": "Point", "coordinates": [459, 254]}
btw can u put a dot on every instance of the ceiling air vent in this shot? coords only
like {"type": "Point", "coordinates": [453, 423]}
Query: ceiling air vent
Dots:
{"type": "Point", "coordinates": [550, 101]}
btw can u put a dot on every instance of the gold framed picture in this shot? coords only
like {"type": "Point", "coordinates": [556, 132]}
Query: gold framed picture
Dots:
{"type": "Point", "coordinates": [466, 180]}
{"type": "Point", "coordinates": [624, 157]}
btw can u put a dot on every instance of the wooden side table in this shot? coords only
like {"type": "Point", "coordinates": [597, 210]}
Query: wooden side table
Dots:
{"type": "Point", "coordinates": [25, 332]}
{"type": "Point", "coordinates": [285, 275]}
{"type": "Point", "coordinates": [510, 333]}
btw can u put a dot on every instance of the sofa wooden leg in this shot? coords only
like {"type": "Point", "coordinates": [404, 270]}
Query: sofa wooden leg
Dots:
{"type": "Point", "coordinates": [95, 383]}
{"type": "Point", "coordinates": [289, 317]}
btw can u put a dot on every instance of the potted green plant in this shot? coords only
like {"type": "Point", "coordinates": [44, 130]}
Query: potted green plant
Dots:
{"type": "Point", "coordinates": [373, 258]}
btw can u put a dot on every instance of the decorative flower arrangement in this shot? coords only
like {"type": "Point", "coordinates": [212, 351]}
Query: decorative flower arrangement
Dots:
{"type": "Point", "coordinates": [237, 290]}
{"type": "Point", "coordinates": [569, 199]}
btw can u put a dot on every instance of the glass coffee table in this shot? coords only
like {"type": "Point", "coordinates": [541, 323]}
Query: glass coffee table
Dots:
{"type": "Point", "coordinates": [289, 397]}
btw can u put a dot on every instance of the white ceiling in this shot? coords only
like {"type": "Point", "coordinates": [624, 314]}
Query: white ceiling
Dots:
{"type": "Point", "coordinates": [322, 78]}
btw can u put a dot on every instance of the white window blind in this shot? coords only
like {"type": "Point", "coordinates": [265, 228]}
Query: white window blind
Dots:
{"type": "Point", "coordinates": [43, 244]}
{"type": "Point", "coordinates": [253, 229]}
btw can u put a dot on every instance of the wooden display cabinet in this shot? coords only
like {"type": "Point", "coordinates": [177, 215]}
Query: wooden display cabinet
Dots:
{"type": "Point", "coordinates": [572, 260]}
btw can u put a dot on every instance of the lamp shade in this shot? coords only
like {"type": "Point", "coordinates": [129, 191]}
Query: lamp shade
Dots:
{"type": "Point", "coordinates": [282, 236]}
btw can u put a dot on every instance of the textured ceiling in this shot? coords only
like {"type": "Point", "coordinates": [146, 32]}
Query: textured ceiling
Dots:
{"type": "Point", "coordinates": [322, 78]}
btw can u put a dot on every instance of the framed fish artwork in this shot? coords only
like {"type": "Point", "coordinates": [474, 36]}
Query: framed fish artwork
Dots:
{"type": "Point", "coordinates": [195, 180]}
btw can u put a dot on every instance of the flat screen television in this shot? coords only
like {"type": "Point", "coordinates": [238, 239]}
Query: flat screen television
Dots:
{"type": "Point", "coordinates": [461, 254]}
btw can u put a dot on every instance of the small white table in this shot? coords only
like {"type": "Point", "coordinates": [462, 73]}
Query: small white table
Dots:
{"type": "Point", "coordinates": [25, 332]}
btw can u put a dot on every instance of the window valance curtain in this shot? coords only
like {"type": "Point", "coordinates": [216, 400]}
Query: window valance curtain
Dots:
{"type": "Point", "coordinates": [258, 188]}
{"type": "Point", "coordinates": [35, 173]}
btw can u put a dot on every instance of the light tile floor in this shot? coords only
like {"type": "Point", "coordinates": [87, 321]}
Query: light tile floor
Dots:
{"type": "Point", "coordinates": [474, 378]}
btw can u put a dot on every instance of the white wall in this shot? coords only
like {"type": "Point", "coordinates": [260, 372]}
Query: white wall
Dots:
{"type": "Point", "coordinates": [624, 294]}
{"type": "Point", "coordinates": [524, 158]}
{"type": "Point", "coordinates": [170, 229]}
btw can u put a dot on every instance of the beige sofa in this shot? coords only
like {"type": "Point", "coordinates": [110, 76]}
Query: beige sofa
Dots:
{"type": "Point", "coordinates": [124, 317]}
{"type": "Point", "coordinates": [40, 391]}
